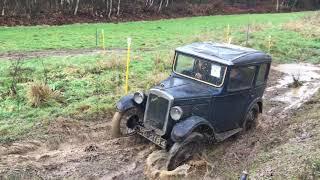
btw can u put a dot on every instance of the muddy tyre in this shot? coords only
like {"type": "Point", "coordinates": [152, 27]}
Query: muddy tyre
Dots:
{"type": "Point", "coordinates": [123, 123]}
{"type": "Point", "coordinates": [251, 118]}
{"type": "Point", "coordinates": [182, 152]}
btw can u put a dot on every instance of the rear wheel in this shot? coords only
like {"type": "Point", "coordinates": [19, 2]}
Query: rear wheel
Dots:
{"type": "Point", "coordinates": [124, 123]}
{"type": "Point", "coordinates": [251, 118]}
{"type": "Point", "coordinates": [181, 152]}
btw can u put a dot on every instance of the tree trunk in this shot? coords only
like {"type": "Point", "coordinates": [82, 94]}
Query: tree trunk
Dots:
{"type": "Point", "coordinates": [277, 7]}
{"type": "Point", "coordinates": [76, 8]}
{"type": "Point", "coordinates": [160, 6]}
{"type": "Point", "coordinates": [110, 9]}
{"type": "Point", "coordinates": [118, 9]}
{"type": "Point", "coordinates": [3, 8]}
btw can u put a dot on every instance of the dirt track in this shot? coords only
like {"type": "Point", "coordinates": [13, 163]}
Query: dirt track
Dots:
{"type": "Point", "coordinates": [85, 150]}
{"type": "Point", "coordinates": [68, 52]}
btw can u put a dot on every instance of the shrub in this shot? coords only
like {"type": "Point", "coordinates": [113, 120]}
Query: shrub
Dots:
{"type": "Point", "coordinates": [39, 94]}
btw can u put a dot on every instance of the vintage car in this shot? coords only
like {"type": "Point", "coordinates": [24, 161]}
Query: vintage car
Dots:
{"type": "Point", "coordinates": [214, 92]}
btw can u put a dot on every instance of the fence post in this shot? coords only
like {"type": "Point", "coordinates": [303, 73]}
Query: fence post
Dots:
{"type": "Point", "coordinates": [103, 41]}
{"type": "Point", "coordinates": [97, 36]}
{"type": "Point", "coordinates": [247, 39]}
{"type": "Point", "coordinates": [128, 63]}
{"type": "Point", "coordinates": [269, 43]}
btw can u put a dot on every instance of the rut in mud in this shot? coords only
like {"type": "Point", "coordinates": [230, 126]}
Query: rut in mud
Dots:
{"type": "Point", "coordinates": [61, 53]}
{"type": "Point", "coordinates": [85, 150]}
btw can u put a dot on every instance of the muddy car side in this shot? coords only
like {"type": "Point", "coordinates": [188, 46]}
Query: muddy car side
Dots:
{"type": "Point", "coordinates": [214, 91]}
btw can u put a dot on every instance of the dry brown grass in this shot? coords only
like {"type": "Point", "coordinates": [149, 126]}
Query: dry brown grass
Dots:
{"type": "Point", "coordinates": [307, 26]}
{"type": "Point", "coordinates": [115, 62]}
{"type": "Point", "coordinates": [39, 94]}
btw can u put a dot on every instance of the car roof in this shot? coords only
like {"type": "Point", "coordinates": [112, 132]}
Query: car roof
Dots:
{"type": "Point", "coordinates": [227, 54]}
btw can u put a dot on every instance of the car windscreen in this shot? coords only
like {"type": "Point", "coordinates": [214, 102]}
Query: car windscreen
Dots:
{"type": "Point", "coordinates": [200, 69]}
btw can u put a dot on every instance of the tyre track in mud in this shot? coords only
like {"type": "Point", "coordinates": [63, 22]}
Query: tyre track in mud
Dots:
{"type": "Point", "coordinates": [85, 150]}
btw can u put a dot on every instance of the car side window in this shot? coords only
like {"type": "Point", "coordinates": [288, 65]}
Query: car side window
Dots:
{"type": "Point", "coordinates": [262, 74]}
{"type": "Point", "coordinates": [241, 78]}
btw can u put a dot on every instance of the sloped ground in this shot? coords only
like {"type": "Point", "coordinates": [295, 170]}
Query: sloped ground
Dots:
{"type": "Point", "coordinates": [283, 145]}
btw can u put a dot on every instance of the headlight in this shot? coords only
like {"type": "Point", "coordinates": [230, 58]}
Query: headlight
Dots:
{"type": "Point", "coordinates": [138, 97]}
{"type": "Point", "coordinates": [176, 113]}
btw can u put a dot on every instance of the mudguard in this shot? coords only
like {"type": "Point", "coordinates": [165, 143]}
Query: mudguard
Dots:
{"type": "Point", "coordinates": [125, 103]}
{"type": "Point", "coordinates": [184, 128]}
{"type": "Point", "coordinates": [255, 101]}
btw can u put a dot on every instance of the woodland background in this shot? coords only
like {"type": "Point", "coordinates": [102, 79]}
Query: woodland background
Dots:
{"type": "Point", "coordinates": [31, 12]}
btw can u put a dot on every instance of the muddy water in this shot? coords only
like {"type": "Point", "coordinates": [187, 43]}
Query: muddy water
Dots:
{"type": "Point", "coordinates": [307, 74]}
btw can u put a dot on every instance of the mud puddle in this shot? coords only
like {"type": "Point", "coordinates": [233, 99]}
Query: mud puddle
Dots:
{"type": "Point", "coordinates": [85, 150]}
{"type": "Point", "coordinates": [299, 84]}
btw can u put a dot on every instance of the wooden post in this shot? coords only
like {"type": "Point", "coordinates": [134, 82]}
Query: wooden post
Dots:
{"type": "Point", "coordinates": [97, 37]}
{"type": "Point", "coordinates": [103, 41]}
{"type": "Point", "coordinates": [247, 40]}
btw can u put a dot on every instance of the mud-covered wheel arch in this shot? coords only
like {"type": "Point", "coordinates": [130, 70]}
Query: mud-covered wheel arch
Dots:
{"type": "Point", "coordinates": [251, 118]}
{"type": "Point", "coordinates": [181, 152]}
{"type": "Point", "coordinates": [121, 121]}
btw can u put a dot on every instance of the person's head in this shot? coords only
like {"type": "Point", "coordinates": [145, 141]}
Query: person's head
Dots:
{"type": "Point", "coordinates": [201, 64]}
{"type": "Point", "coordinates": [234, 73]}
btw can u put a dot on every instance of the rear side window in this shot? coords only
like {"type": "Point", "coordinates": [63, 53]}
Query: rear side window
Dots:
{"type": "Point", "coordinates": [262, 75]}
{"type": "Point", "coordinates": [241, 78]}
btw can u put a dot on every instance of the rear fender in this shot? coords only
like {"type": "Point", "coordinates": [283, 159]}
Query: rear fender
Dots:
{"type": "Point", "coordinates": [254, 102]}
{"type": "Point", "coordinates": [184, 128]}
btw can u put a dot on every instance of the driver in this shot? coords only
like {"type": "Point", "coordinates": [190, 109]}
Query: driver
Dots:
{"type": "Point", "coordinates": [202, 70]}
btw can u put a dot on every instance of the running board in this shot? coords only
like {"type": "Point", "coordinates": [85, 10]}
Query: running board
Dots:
{"type": "Point", "coordinates": [225, 135]}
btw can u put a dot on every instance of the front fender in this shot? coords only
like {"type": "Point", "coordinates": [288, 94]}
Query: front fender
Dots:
{"type": "Point", "coordinates": [184, 128]}
{"type": "Point", "coordinates": [125, 103]}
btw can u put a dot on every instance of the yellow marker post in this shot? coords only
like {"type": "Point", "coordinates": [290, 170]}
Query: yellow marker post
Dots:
{"type": "Point", "coordinates": [269, 43]}
{"type": "Point", "coordinates": [227, 34]}
{"type": "Point", "coordinates": [128, 63]}
{"type": "Point", "coordinates": [103, 41]}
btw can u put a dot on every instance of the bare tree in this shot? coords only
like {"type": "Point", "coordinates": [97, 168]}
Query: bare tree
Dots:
{"type": "Point", "coordinates": [118, 9]}
{"type": "Point", "coordinates": [3, 7]}
{"type": "Point", "coordinates": [160, 5]}
{"type": "Point", "coordinates": [76, 8]}
{"type": "Point", "coordinates": [110, 9]}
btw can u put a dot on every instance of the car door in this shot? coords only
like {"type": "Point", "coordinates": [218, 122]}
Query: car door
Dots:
{"type": "Point", "coordinates": [230, 109]}
{"type": "Point", "coordinates": [261, 80]}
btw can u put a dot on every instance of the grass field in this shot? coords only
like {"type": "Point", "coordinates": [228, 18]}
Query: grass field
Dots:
{"type": "Point", "coordinates": [35, 91]}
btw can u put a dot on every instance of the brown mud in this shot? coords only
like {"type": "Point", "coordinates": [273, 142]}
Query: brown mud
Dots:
{"type": "Point", "coordinates": [62, 52]}
{"type": "Point", "coordinates": [85, 150]}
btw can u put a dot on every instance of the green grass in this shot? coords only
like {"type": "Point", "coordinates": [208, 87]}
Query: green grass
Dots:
{"type": "Point", "coordinates": [90, 86]}
{"type": "Point", "coordinates": [152, 34]}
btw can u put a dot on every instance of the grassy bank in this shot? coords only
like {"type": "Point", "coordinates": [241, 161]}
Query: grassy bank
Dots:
{"type": "Point", "coordinates": [38, 90]}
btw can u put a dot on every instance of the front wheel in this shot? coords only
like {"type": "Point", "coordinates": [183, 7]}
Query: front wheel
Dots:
{"type": "Point", "coordinates": [181, 152]}
{"type": "Point", "coordinates": [124, 123]}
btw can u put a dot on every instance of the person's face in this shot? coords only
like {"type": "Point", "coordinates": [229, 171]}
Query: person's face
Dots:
{"type": "Point", "coordinates": [233, 73]}
{"type": "Point", "coordinates": [200, 64]}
